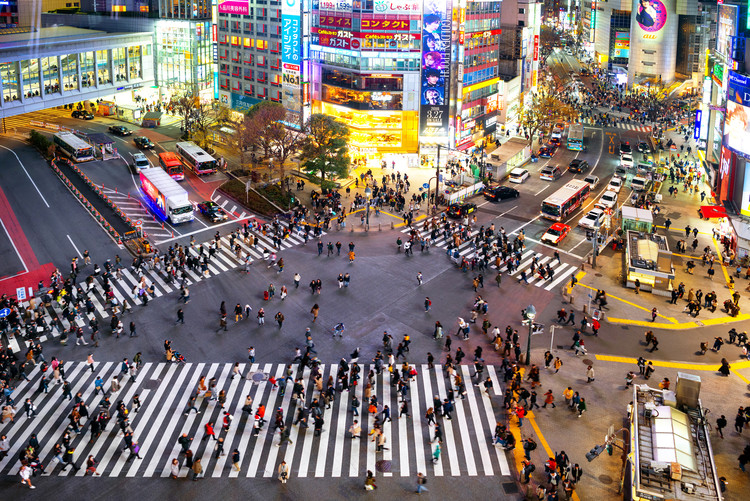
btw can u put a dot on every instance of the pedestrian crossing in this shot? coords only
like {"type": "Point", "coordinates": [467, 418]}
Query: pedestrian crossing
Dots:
{"type": "Point", "coordinates": [123, 287]}
{"type": "Point", "coordinates": [560, 271]}
{"type": "Point", "coordinates": [620, 125]}
{"type": "Point", "coordinates": [164, 389]}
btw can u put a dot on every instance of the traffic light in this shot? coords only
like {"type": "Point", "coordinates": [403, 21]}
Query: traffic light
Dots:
{"type": "Point", "coordinates": [593, 453]}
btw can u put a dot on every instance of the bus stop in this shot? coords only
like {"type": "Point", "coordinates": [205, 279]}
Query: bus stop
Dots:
{"type": "Point", "coordinates": [513, 153]}
{"type": "Point", "coordinates": [103, 145]}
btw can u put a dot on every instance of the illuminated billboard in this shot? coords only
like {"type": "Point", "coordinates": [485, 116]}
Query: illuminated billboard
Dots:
{"type": "Point", "coordinates": [651, 15]}
{"type": "Point", "coordinates": [291, 55]}
{"type": "Point", "coordinates": [435, 88]}
{"type": "Point", "coordinates": [241, 7]}
{"type": "Point", "coordinates": [737, 124]}
{"type": "Point", "coordinates": [396, 6]}
{"type": "Point", "coordinates": [622, 44]}
{"type": "Point", "coordinates": [726, 29]}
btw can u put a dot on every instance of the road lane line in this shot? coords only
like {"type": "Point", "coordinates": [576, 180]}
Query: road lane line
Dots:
{"type": "Point", "coordinates": [16, 248]}
{"type": "Point", "coordinates": [71, 243]}
{"type": "Point", "coordinates": [27, 174]}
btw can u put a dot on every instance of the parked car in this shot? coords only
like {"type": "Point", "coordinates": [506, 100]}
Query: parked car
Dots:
{"type": "Point", "coordinates": [143, 143]}
{"type": "Point", "coordinates": [615, 184]}
{"type": "Point", "coordinates": [643, 147]}
{"type": "Point", "coordinates": [625, 147]}
{"type": "Point", "coordinates": [592, 180]}
{"type": "Point", "coordinates": [518, 175]}
{"type": "Point", "coordinates": [82, 114]}
{"type": "Point", "coordinates": [626, 160]}
{"type": "Point", "coordinates": [593, 218]}
{"type": "Point", "coordinates": [550, 173]}
{"type": "Point", "coordinates": [497, 193]}
{"type": "Point", "coordinates": [556, 233]}
{"type": "Point", "coordinates": [608, 200]}
{"type": "Point", "coordinates": [578, 165]}
{"type": "Point", "coordinates": [120, 130]}
{"type": "Point", "coordinates": [212, 211]}
{"type": "Point", "coordinates": [461, 210]}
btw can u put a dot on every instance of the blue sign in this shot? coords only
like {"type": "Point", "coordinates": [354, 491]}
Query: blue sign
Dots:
{"type": "Point", "coordinates": [425, 185]}
{"type": "Point", "coordinates": [697, 127]}
{"type": "Point", "coordinates": [243, 103]}
{"type": "Point", "coordinates": [4, 312]}
{"type": "Point", "coordinates": [290, 39]}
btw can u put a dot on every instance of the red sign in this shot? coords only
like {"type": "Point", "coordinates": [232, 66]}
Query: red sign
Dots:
{"type": "Point", "coordinates": [336, 21]}
{"type": "Point", "coordinates": [491, 104]}
{"type": "Point", "coordinates": [353, 35]}
{"type": "Point", "coordinates": [339, 39]}
{"type": "Point", "coordinates": [385, 24]}
{"type": "Point", "coordinates": [536, 47]}
{"type": "Point", "coordinates": [726, 173]}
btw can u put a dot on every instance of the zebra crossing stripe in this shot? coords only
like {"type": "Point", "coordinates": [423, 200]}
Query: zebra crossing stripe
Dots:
{"type": "Point", "coordinates": [260, 440]}
{"type": "Point", "coordinates": [341, 429]}
{"type": "Point", "coordinates": [438, 465]}
{"type": "Point", "coordinates": [245, 439]}
{"type": "Point", "coordinates": [450, 450]}
{"type": "Point", "coordinates": [484, 453]}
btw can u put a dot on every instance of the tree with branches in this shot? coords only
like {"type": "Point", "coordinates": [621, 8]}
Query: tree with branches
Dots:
{"type": "Point", "coordinates": [197, 116]}
{"type": "Point", "coordinates": [266, 131]}
{"type": "Point", "coordinates": [546, 108]}
{"type": "Point", "coordinates": [324, 147]}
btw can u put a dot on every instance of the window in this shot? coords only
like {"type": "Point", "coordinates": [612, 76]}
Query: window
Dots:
{"type": "Point", "coordinates": [30, 74]}
{"type": "Point", "coordinates": [9, 74]}
{"type": "Point", "coordinates": [102, 66]}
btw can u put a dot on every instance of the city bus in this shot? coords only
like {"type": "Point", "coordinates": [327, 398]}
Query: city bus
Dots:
{"type": "Point", "coordinates": [565, 200]}
{"type": "Point", "coordinates": [74, 147]}
{"type": "Point", "coordinates": [172, 165]}
{"type": "Point", "coordinates": [195, 158]}
{"type": "Point", "coordinates": [575, 137]}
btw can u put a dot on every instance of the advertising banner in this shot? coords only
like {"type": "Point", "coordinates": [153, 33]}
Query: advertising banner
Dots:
{"type": "Point", "coordinates": [336, 5]}
{"type": "Point", "coordinates": [726, 28]}
{"type": "Point", "coordinates": [385, 24]}
{"type": "Point", "coordinates": [737, 124]}
{"type": "Point", "coordinates": [726, 174]}
{"type": "Point", "coordinates": [622, 44]}
{"type": "Point", "coordinates": [396, 7]}
{"type": "Point", "coordinates": [745, 205]}
{"type": "Point", "coordinates": [341, 39]}
{"type": "Point", "coordinates": [291, 55]}
{"type": "Point", "coordinates": [651, 15]}
{"type": "Point", "coordinates": [336, 22]}
{"type": "Point", "coordinates": [436, 46]}
{"type": "Point", "coordinates": [241, 7]}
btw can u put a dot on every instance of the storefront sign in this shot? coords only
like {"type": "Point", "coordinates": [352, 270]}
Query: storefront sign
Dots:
{"type": "Point", "coordinates": [241, 7]}
{"type": "Point", "coordinates": [697, 126]}
{"type": "Point", "coordinates": [396, 7]}
{"type": "Point", "coordinates": [536, 47]}
{"type": "Point", "coordinates": [336, 21]}
{"type": "Point", "coordinates": [328, 32]}
{"type": "Point", "coordinates": [436, 46]}
{"type": "Point", "coordinates": [291, 55]}
{"type": "Point", "coordinates": [726, 173]}
{"type": "Point", "coordinates": [385, 24]}
{"type": "Point", "coordinates": [491, 104]}
{"type": "Point", "coordinates": [336, 5]}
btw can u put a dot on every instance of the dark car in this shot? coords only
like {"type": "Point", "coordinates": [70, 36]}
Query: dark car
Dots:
{"type": "Point", "coordinates": [578, 165]}
{"type": "Point", "coordinates": [547, 151]}
{"type": "Point", "coordinates": [643, 147]}
{"type": "Point", "coordinates": [82, 114]}
{"type": "Point", "coordinates": [143, 143]}
{"type": "Point", "coordinates": [120, 130]}
{"type": "Point", "coordinates": [212, 211]}
{"type": "Point", "coordinates": [625, 148]}
{"type": "Point", "coordinates": [461, 210]}
{"type": "Point", "coordinates": [497, 193]}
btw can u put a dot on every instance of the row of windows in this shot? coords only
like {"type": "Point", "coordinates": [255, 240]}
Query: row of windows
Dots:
{"type": "Point", "coordinates": [480, 59]}
{"type": "Point", "coordinates": [473, 25]}
{"type": "Point", "coordinates": [249, 89]}
{"type": "Point", "coordinates": [480, 75]}
{"type": "Point", "coordinates": [480, 93]}
{"type": "Point", "coordinates": [482, 7]}
{"type": "Point", "coordinates": [367, 63]}
{"type": "Point", "coordinates": [250, 74]}
{"type": "Point", "coordinates": [479, 42]}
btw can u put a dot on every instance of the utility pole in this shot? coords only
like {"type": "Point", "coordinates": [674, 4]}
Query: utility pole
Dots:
{"type": "Point", "coordinates": [596, 245]}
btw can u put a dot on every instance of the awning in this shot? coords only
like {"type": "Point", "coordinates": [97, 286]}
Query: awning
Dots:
{"type": "Point", "coordinates": [465, 146]}
{"type": "Point", "coordinates": [710, 211]}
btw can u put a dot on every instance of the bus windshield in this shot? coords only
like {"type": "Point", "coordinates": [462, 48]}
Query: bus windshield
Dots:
{"type": "Point", "coordinates": [575, 137]}
{"type": "Point", "coordinates": [550, 209]}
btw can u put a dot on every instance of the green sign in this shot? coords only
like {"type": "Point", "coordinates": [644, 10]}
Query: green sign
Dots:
{"type": "Point", "coordinates": [718, 72]}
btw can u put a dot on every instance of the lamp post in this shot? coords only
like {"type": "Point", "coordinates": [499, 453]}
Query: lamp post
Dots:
{"type": "Point", "coordinates": [531, 315]}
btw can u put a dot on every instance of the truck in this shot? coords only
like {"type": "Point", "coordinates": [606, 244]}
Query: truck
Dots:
{"type": "Point", "coordinates": [165, 197]}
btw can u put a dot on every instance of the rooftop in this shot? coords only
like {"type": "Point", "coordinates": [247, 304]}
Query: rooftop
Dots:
{"type": "Point", "coordinates": [673, 455]}
{"type": "Point", "coordinates": [53, 35]}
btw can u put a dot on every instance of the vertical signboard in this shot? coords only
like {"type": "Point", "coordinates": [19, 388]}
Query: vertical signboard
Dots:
{"type": "Point", "coordinates": [726, 29]}
{"type": "Point", "coordinates": [536, 47]}
{"type": "Point", "coordinates": [435, 88]}
{"type": "Point", "coordinates": [726, 173]}
{"type": "Point", "coordinates": [291, 57]}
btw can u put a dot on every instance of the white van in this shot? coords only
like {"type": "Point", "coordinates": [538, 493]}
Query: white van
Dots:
{"type": "Point", "coordinates": [140, 162]}
{"type": "Point", "coordinates": [638, 183]}
{"type": "Point", "coordinates": [518, 175]}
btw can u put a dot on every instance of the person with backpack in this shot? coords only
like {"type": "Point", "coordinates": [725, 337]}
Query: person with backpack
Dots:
{"type": "Point", "coordinates": [527, 470]}
{"type": "Point", "coordinates": [528, 445]}
{"type": "Point", "coordinates": [421, 481]}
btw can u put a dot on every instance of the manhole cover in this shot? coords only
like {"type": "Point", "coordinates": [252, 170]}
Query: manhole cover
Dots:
{"type": "Point", "coordinates": [383, 466]}
{"type": "Point", "coordinates": [257, 376]}
{"type": "Point", "coordinates": [586, 361]}
{"type": "Point", "coordinates": [151, 384]}
{"type": "Point", "coordinates": [598, 275]}
{"type": "Point", "coordinates": [625, 327]}
{"type": "Point", "coordinates": [510, 488]}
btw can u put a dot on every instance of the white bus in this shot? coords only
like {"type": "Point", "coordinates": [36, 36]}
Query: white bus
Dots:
{"type": "Point", "coordinates": [195, 158]}
{"type": "Point", "coordinates": [565, 200]}
{"type": "Point", "coordinates": [74, 147]}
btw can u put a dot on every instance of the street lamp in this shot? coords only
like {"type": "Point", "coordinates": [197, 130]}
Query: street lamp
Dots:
{"type": "Point", "coordinates": [530, 315]}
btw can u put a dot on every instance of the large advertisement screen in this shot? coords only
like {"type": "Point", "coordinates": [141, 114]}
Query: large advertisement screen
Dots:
{"type": "Point", "coordinates": [737, 124]}
{"type": "Point", "coordinates": [435, 88]}
{"type": "Point", "coordinates": [291, 56]}
{"type": "Point", "coordinates": [651, 15]}
{"type": "Point", "coordinates": [622, 44]}
{"type": "Point", "coordinates": [234, 7]}
{"type": "Point", "coordinates": [726, 29]}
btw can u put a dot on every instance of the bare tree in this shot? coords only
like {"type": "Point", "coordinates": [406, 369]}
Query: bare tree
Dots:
{"type": "Point", "coordinates": [267, 131]}
{"type": "Point", "coordinates": [546, 108]}
{"type": "Point", "coordinates": [197, 116]}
